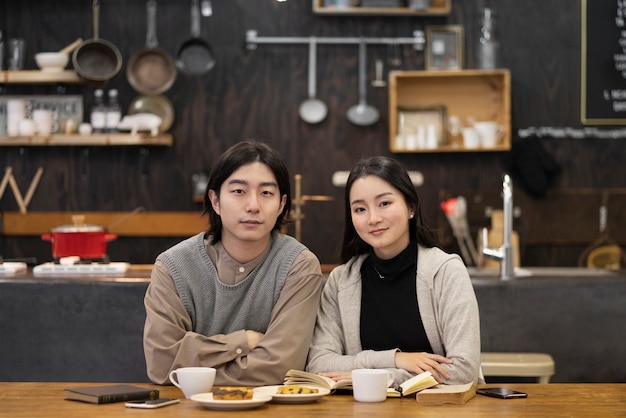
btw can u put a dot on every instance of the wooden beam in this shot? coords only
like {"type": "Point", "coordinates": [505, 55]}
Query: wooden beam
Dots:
{"type": "Point", "coordinates": [142, 224]}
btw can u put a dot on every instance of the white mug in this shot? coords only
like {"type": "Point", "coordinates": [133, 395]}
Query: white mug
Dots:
{"type": "Point", "coordinates": [370, 385]}
{"type": "Point", "coordinates": [490, 133]}
{"type": "Point", "coordinates": [17, 110]}
{"type": "Point", "coordinates": [45, 121]}
{"type": "Point", "coordinates": [470, 138]}
{"type": "Point", "coordinates": [193, 380]}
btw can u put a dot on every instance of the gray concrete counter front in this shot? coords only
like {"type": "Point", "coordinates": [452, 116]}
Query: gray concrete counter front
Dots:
{"type": "Point", "coordinates": [89, 328]}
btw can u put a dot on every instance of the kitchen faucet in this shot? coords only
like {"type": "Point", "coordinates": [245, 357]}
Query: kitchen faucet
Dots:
{"type": "Point", "coordinates": [504, 254]}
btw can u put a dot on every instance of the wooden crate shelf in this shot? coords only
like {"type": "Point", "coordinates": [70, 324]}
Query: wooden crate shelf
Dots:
{"type": "Point", "coordinates": [484, 95]}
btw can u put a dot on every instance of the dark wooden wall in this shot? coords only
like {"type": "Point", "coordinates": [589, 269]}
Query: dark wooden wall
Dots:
{"type": "Point", "coordinates": [257, 93]}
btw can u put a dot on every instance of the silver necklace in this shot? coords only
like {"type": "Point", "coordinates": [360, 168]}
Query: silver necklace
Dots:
{"type": "Point", "coordinates": [378, 272]}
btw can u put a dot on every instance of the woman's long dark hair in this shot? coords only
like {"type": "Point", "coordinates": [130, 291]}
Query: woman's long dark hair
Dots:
{"type": "Point", "coordinates": [396, 175]}
{"type": "Point", "coordinates": [238, 155]}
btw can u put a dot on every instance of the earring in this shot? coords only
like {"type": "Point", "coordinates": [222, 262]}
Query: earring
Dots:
{"type": "Point", "coordinates": [411, 217]}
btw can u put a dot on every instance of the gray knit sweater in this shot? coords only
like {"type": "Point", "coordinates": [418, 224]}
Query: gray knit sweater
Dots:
{"type": "Point", "coordinates": [217, 308]}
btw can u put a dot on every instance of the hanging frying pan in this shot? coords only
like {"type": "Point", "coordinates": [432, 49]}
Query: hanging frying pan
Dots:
{"type": "Point", "coordinates": [151, 70]}
{"type": "Point", "coordinates": [194, 55]}
{"type": "Point", "coordinates": [97, 59]}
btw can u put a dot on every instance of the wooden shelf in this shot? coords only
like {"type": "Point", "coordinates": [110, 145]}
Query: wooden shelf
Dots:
{"type": "Point", "coordinates": [484, 95]}
{"type": "Point", "coordinates": [142, 224]}
{"type": "Point", "coordinates": [88, 140]}
{"type": "Point", "coordinates": [40, 77]}
{"type": "Point", "coordinates": [438, 8]}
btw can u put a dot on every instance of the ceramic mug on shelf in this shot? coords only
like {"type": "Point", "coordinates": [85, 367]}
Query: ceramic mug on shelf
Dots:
{"type": "Point", "coordinates": [45, 121]}
{"type": "Point", "coordinates": [490, 133]}
{"type": "Point", "coordinates": [193, 380]}
{"type": "Point", "coordinates": [471, 139]}
{"type": "Point", "coordinates": [370, 385]}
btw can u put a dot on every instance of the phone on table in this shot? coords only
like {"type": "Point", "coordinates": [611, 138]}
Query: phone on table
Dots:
{"type": "Point", "coordinates": [152, 403]}
{"type": "Point", "coordinates": [501, 393]}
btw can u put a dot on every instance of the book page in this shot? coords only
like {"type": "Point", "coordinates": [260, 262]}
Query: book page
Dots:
{"type": "Point", "coordinates": [294, 377]}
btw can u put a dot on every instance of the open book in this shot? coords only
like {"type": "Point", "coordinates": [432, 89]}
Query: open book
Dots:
{"type": "Point", "coordinates": [452, 394]}
{"type": "Point", "coordinates": [408, 387]}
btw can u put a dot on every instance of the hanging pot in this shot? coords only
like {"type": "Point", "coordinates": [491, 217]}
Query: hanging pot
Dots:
{"type": "Point", "coordinates": [151, 70]}
{"type": "Point", "coordinates": [79, 239]}
{"type": "Point", "coordinates": [97, 59]}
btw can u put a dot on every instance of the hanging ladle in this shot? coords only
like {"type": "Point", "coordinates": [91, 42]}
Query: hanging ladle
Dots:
{"type": "Point", "coordinates": [361, 113]}
{"type": "Point", "coordinates": [313, 110]}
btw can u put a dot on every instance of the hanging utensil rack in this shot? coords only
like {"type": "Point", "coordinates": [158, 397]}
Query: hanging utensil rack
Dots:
{"type": "Point", "coordinates": [418, 40]}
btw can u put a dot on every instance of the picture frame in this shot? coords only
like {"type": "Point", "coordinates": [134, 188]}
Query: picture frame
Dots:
{"type": "Point", "coordinates": [444, 47]}
{"type": "Point", "coordinates": [421, 128]}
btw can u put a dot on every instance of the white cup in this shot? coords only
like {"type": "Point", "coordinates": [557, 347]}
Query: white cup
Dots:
{"type": "Point", "coordinates": [490, 133]}
{"type": "Point", "coordinates": [193, 380]}
{"type": "Point", "coordinates": [26, 127]}
{"type": "Point", "coordinates": [17, 110]}
{"type": "Point", "coordinates": [470, 138]}
{"type": "Point", "coordinates": [45, 121]}
{"type": "Point", "coordinates": [370, 385]}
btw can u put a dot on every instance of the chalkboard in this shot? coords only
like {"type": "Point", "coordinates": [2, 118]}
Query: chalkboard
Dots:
{"type": "Point", "coordinates": [603, 78]}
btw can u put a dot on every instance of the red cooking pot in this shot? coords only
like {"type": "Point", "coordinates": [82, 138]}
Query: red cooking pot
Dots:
{"type": "Point", "coordinates": [80, 239]}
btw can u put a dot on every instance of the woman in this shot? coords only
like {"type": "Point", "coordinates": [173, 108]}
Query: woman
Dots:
{"type": "Point", "coordinates": [397, 301]}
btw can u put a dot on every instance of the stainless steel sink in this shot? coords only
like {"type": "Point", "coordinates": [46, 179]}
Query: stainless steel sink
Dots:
{"type": "Point", "coordinates": [525, 272]}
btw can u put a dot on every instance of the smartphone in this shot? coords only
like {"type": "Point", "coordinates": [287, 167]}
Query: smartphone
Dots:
{"type": "Point", "coordinates": [501, 393]}
{"type": "Point", "coordinates": [152, 403]}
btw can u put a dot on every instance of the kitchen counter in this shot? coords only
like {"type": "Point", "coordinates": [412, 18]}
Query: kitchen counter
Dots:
{"type": "Point", "coordinates": [89, 328]}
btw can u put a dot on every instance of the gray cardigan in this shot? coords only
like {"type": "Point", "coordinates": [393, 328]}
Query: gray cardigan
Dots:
{"type": "Point", "coordinates": [448, 308]}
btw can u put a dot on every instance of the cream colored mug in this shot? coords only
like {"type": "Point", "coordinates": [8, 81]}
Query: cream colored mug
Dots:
{"type": "Point", "coordinates": [370, 385]}
{"type": "Point", "coordinates": [490, 133]}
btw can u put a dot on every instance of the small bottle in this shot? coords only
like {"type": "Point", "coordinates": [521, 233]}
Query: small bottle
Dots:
{"type": "Point", "coordinates": [98, 112]}
{"type": "Point", "coordinates": [114, 112]}
{"type": "Point", "coordinates": [488, 45]}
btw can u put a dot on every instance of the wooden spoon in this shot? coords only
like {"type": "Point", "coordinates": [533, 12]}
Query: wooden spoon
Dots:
{"type": "Point", "coordinates": [71, 46]}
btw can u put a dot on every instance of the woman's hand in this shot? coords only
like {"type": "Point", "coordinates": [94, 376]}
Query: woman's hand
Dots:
{"type": "Point", "coordinates": [422, 362]}
{"type": "Point", "coordinates": [337, 376]}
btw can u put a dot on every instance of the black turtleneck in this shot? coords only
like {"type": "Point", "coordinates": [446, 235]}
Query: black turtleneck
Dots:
{"type": "Point", "coordinates": [389, 310]}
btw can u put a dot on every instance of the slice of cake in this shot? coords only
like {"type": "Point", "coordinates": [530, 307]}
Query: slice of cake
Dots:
{"type": "Point", "coordinates": [232, 393]}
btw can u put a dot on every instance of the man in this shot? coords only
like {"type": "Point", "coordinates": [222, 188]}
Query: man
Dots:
{"type": "Point", "coordinates": [240, 297]}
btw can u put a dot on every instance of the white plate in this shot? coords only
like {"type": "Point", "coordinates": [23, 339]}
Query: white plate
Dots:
{"type": "Point", "coordinates": [294, 398]}
{"type": "Point", "coordinates": [206, 399]}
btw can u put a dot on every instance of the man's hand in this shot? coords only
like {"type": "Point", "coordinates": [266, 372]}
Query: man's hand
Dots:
{"type": "Point", "coordinates": [253, 338]}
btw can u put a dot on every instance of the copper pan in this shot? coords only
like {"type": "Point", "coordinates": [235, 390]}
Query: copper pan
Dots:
{"type": "Point", "coordinates": [151, 70]}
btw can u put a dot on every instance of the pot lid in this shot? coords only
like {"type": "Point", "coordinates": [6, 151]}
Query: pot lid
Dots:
{"type": "Point", "coordinates": [79, 225]}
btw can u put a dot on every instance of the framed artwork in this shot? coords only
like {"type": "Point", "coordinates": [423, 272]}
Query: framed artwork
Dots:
{"type": "Point", "coordinates": [444, 47]}
{"type": "Point", "coordinates": [421, 128]}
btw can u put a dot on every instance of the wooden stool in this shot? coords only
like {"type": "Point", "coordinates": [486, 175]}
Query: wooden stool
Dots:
{"type": "Point", "coordinates": [537, 365]}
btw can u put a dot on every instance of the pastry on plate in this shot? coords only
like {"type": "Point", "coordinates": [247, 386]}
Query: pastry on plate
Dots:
{"type": "Point", "coordinates": [295, 390]}
{"type": "Point", "coordinates": [232, 393]}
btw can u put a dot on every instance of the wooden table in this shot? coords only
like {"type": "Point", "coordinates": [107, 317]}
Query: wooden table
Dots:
{"type": "Point", "coordinates": [44, 399]}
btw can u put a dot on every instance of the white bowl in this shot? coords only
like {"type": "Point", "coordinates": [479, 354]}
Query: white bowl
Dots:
{"type": "Point", "coordinates": [51, 61]}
